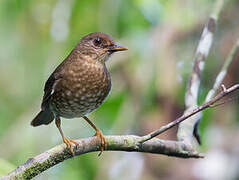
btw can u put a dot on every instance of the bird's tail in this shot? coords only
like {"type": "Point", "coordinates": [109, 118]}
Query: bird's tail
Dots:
{"type": "Point", "coordinates": [43, 117]}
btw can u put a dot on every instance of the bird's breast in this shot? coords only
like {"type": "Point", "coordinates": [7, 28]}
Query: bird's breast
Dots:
{"type": "Point", "coordinates": [83, 90]}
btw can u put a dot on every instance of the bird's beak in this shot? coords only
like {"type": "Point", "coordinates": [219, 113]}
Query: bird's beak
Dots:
{"type": "Point", "coordinates": [117, 47]}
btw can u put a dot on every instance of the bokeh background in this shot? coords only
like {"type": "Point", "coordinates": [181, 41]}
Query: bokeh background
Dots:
{"type": "Point", "coordinates": [149, 82]}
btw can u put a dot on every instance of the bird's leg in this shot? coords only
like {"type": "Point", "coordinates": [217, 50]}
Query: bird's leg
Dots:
{"type": "Point", "coordinates": [98, 134]}
{"type": "Point", "coordinates": [67, 141]}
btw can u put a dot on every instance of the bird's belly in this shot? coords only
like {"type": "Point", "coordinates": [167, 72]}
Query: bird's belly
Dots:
{"type": "Point", "coordinates": [77, 102]}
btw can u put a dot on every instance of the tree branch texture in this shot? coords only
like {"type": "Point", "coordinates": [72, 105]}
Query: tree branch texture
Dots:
{"type": "Point", "coordinates": [48, 159]}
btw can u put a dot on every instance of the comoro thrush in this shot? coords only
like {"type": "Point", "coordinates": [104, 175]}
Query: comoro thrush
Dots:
{"type": "Point", "coordinates": [79, 85]}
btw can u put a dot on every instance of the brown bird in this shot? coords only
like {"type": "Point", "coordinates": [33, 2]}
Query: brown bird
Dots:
{"type": "Point", "coordinates": [79, 85]}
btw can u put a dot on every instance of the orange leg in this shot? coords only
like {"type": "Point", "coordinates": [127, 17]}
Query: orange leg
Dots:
{"type": "Point", "coordinates": [98, 134]}
{"type": "Point", "coordinates": [67, 141]}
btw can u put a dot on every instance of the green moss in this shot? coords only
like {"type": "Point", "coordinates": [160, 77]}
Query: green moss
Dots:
{"type": "Point", "coordinates": [36, 169]}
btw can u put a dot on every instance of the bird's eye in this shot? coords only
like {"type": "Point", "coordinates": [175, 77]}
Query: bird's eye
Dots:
{"type": "Point", "coordinates": [97, 41]}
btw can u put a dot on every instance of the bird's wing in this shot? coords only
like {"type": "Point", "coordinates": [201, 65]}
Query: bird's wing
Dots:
{"type": "Point", "coordinates": [55, 77]}
{"type": "Point", "coordinates": [49, 89]}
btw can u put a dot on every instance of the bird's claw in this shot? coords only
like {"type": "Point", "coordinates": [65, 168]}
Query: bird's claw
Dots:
{"type": "Point", "coordinates": [102, 139]}
{"type": "Point", "coordinates": [69, 143]}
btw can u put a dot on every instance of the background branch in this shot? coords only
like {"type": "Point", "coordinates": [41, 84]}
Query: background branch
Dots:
{"type": "Point", "coordinates": [221, 75]}
{"type": "Point", "coordinates": [219, 79]}
{"type": "Point", "coordinates": [185, 130]}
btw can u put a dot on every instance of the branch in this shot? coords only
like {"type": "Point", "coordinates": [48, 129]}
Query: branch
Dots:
{"type": "Point", "coordinates": [185, 130]}
{"type": "Point", "coordinates": [208, 104]}
{"type": "Point", "coordinates": [35, 166]}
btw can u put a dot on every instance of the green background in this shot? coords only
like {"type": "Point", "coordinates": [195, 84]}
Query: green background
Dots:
{"type": "Point", "coordinates": [149, 82]}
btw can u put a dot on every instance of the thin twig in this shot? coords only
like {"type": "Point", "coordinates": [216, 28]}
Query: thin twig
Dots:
{"type": "Point", "coordinates": [223, 72]}
{"type": "Point", "coordinates": [208, 104]}
{"type": "Point", "coordinates": [224, 102]}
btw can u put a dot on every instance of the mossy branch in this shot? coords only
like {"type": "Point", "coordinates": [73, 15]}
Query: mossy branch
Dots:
{"type": "Point", "coordinates": [35, 166]}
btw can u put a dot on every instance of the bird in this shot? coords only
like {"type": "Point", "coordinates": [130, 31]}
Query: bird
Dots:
{"type": "Point", "coordinates": [79, 85]}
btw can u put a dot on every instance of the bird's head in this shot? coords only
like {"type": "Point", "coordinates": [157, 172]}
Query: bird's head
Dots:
{"type": "Point", "coordinates": [99, 46]}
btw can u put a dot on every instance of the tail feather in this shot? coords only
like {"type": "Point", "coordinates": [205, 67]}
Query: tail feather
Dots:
{"type": "Point", "coordinates": [43, 117]}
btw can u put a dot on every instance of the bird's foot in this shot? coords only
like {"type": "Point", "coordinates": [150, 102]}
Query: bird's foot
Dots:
{"type": "Point", "coordinates": [102, 139]}
{"type": "Point", "coordinates": [69, 143]}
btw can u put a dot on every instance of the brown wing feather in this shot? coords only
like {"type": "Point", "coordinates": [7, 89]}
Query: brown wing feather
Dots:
{"type": "Point", "coordinates": [55, 77]}
{"type": "Point", "coordinates": [48, 91]}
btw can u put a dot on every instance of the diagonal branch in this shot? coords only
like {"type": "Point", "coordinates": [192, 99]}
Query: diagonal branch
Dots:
{"type": "Point", "coordinates": [208, 104]}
